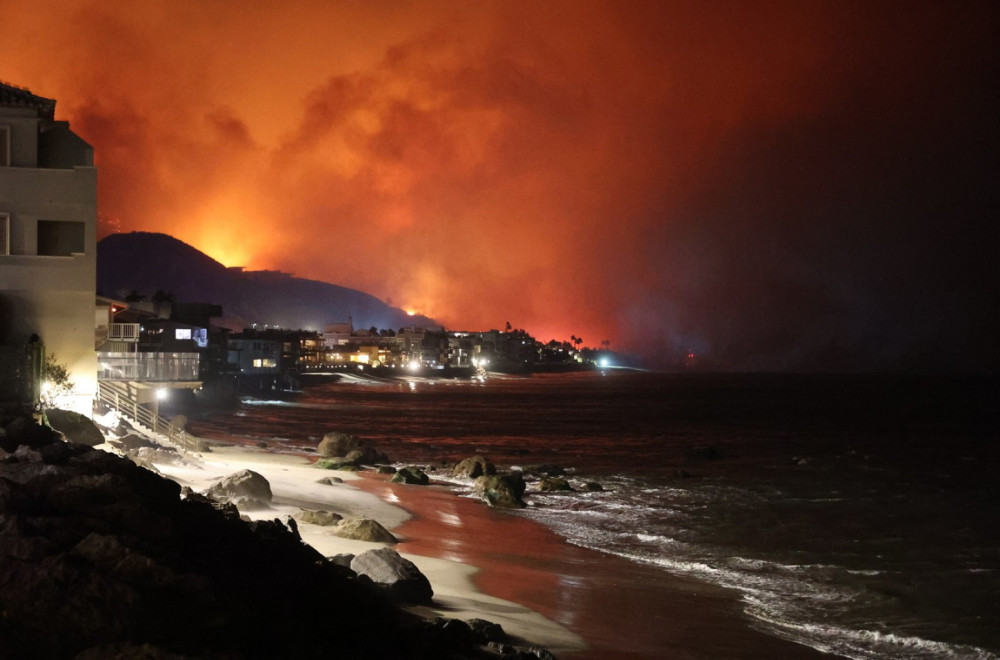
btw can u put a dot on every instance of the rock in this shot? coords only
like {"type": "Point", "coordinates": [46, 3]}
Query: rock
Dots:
{"type": "Point", "coordinates": [410, 475]}
{"type": "Point", "coordinates": [100, 558]}
{"type": "Point", "coordinates": [452, 634]}
{"type": "Point", "coordinates": [342, 560]}
{"type": "Point", "coordinates": [386, 469]}
{"type": "Point", "coordinates": [363, 529]}
{"type": "Point", "coordinates": [75, 427]}
{"type": "Point", "coordinates": [243, 488]}
{"type": "Point", "coordinates": [336, 444]}
{"type": "Point", "coordinates": [322, 518]}
{"type": "Point", "coordinates": [503, 491]}
{"type": "Point", "coordinates": [148, 456]}
{"type": "Point", "coordinates": [330, 481]}
{"type": "Point", "coordinates": [593, 487]}
{"type": "Point", "coordinates": [398, 576]}
{"type": "Point", "coordinates": [551, 484]}
{"type": "Point", "coordinates": [336, 464]}
{"type": "Point", "coordinates": [131, 442]}
{"type": "Point", "coordinates": [24, 431]}
{"type": "Point", "coordinates": [474, 466]}
{"type": "Point", "coordinates": [484, 632]}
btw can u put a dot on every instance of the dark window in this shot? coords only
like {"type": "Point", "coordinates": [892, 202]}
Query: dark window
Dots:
{"type": "Point", "coordinates": [59, 238]}
{"type": "Point", "coordinates": [4, 146]}
{"type": "Point", "coordinates": [4, 234]}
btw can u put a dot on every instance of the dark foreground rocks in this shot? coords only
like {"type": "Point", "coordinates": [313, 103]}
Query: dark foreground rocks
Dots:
{"type": "Point", "coordinates": [101, 558]}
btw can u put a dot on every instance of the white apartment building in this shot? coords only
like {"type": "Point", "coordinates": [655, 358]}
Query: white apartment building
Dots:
{"type": "Point", "coordinates": [48, 239]}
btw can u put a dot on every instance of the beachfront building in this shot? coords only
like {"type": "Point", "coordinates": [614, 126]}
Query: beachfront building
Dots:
{"type": "Point", "coordinates": [48, 249]}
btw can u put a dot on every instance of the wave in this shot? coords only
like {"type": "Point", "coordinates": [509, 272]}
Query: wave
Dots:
{"type": "Point", "coordinates": [787, 599]}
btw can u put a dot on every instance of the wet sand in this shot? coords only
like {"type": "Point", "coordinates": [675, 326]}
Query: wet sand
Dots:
{"type": "Point", "coordinates": [621, 609]}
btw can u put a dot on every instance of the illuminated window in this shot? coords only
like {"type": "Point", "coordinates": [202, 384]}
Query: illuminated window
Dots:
{"type": "Point", "coordinates": [4, 234]}
{"type": "Point", "coordinates": [182, 333]}
{"type": "Point", "coordinates": [4, 146]}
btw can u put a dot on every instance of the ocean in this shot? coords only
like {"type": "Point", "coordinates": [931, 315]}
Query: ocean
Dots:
{"type": "Point", "coordinates": [857, 515]}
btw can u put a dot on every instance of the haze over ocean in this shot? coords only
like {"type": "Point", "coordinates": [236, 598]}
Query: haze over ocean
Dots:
{"type": "Point", "coordinates": [853, 514]}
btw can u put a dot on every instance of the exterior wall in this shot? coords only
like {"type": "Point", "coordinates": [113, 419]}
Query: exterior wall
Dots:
{"type": "Point", "coordinates": [50, 296]}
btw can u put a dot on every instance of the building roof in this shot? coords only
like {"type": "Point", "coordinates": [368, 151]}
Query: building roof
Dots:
{"type": "Point", "coordinates": [18, 97]}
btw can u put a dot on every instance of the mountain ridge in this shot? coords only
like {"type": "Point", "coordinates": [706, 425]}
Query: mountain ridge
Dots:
{"type": "Point", "coordinates": [146, 262]}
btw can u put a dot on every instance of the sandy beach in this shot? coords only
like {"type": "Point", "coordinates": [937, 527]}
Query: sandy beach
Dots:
{"type": "Point", "coordinates": [296, 484]}
{"type": "Point", "coordinates": [490, 564]}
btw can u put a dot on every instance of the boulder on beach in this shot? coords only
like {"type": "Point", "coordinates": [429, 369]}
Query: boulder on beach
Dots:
{"type": "Point", "coordinates": [337, 464]}
{"type": "Point", "coordinates": [322, 518]}
{"type": "Point", "coordinates": [337, 444]}
{"type": "Point", "coordinates": [244, 488]}
{"type": "Point", "coordinates": [363, 529]}
{"type": "Point", "coordinates": [553, 484]}
{"type": "Point", "coordinates": [148, 456]}
{"type": "Point", "coordinates": [474, 466]}
{"type": "Point", "coordinates": [131, 442]}
{"type": "Point", "coordinates": [400, 577]}
{"type": "Point", "coordinates": [75, 427]}
{"type": "Point", "coordinates": [501, 490]}
{"type": "Point", "coordinates": [410, 475]}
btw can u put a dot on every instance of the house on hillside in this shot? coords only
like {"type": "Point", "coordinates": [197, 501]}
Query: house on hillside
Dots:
{"type": "Point", "coordinates": [48, 249]}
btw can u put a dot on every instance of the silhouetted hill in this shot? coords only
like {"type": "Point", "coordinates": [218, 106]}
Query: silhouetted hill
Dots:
{"type": "Point", "coordinates": [147, 262]}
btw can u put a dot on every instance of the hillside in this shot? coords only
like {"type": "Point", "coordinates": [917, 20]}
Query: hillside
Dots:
{"type": "Point", "coordinates": [148, 262]}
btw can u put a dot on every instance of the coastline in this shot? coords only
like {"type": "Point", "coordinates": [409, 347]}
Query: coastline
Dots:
{"type": "Point", "coordinates": [494, 565]}
{"type": "Point", "coordinates": [296, 485]}
{"type": "Point", "coordinates": [522, 561]}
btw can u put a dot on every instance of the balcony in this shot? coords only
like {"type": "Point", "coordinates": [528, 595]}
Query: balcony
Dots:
{"type": "Point", "coordinates": [150, 367]}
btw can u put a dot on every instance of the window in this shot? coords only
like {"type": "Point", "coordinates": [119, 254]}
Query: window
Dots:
{"type": "Point", "coordinates": [4, 234]}
{"type": "Point", "coordinates": [4, 146]}
{"type": "Point", "coordinates": [182, 333]}
{"type": "Point", "coordinates": [60, 238]}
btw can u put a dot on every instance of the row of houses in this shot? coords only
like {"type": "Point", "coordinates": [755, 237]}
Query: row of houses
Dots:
{"type": "Point", "coordinates": [49, 308]}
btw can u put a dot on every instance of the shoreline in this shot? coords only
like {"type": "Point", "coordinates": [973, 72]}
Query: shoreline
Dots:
{"type": "Point", "coordinates": [295, 484]}
{"type": "Point", "coordinates": [522, 561]}
{"type": "Point", "coordinates": [503, 567]}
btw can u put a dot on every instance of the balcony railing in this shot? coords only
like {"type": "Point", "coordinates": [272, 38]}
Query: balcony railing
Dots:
{"type": "Point", "coordinates": [148, 366]}
{"type": "Point", "coordinates": [124, 332]}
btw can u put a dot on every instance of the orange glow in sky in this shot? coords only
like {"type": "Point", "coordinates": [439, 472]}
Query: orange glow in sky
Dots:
{"type": "Point", "coordinates": [544, 163]}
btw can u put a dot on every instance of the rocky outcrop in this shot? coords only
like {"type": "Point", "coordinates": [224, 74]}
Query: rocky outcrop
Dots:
{"type": "Point", "coordinates": [101, 558]}
{"type": "Point", "coordinates": [245, 489]}
{"type": "Point", "coordinates": [501, 490]}
{"type": "Point", "coordinates": [410, 475]}
{"type": "Point", "coordinates": [400, 577]}
{"type": "Point", "coordinates": [363, 529]}
{"type": "Point", "coordinates": [473, 467]}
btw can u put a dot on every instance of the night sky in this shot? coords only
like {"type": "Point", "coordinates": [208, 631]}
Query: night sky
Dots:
{"type": "Point", "coordinates": [768, 185]}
